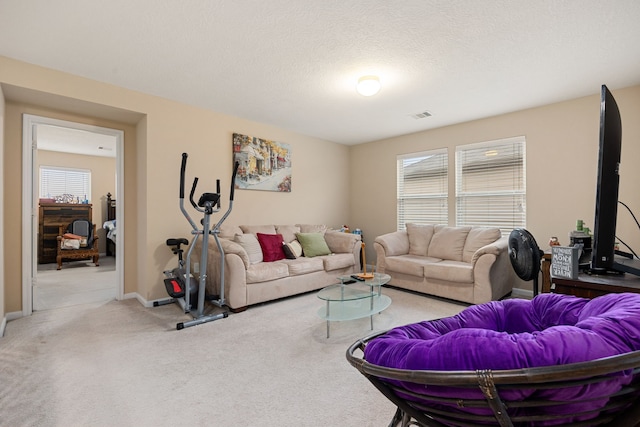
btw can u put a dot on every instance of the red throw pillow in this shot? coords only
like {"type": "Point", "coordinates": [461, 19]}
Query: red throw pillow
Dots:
{"type": "Point", "coordinates": [271, 245]}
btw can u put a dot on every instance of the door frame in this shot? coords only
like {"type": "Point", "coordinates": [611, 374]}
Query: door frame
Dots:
{"type": "Point", "coordinates": [30, 202]}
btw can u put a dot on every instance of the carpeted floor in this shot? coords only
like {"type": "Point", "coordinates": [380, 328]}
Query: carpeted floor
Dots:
{"type": "Point", "coordinates": [79, 282]}
{"type": "Point", "coordinates": [120, 364]}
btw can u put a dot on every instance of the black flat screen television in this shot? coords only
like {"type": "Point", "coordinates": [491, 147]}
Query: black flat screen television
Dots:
{"type": "Point", "coordinates": [604, 231]}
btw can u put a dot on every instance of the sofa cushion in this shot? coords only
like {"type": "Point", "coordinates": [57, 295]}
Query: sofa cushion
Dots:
{"type": "Point", "coordinates": [266, 271]}
{"type": "Point", "coordinates": [337, 261]}
{"type": "Point", "coordinates": [271, 245]}
{"type": "Point", "coordinates": [313, 244]}
{"type": "Point", "coordinates": [288, 232]}
{"type": "Point", "coordinates": [251, 246]}
{"type": "Point", "coordinates": [229, 231]}
{"type": "Point", "coordinates": [312, 228]}
{"type": "Point", "coordinates": [450, 271]}
{"type": "Point", "coordinates": [254, 229]}
{"type": "Point", "coordinates": [419, 238]}
{"type": "Point", "coordinates": [412, 265]}
{"type": "Point", "coordinates": [448, 243]}
{"type": "Point", "coordinates": [303, 265]}
{"type": "Point", "coordinates": [477, 238]}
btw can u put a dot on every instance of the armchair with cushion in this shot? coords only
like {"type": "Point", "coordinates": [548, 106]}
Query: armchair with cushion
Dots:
{"type": "Point", "coordinates": [77, 241]}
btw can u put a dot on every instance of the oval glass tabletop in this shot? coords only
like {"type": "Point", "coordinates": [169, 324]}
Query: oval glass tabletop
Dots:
{"type": "Point", "coordinates": [342, 292]}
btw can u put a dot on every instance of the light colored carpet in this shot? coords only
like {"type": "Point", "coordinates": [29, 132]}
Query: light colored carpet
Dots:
{"type": "Point", "coordinates": [120, 364]}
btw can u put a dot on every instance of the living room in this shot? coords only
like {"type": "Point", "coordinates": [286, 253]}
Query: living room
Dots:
{"type": "Point", "coordinates": [333, 183]}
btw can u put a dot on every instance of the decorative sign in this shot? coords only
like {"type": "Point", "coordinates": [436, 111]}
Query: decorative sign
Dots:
{"type": "Point", "coordinates": [564, 261]}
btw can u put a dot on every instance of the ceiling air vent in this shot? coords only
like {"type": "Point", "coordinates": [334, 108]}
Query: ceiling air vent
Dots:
{"type": "Point", "coordinates": [422, 115]}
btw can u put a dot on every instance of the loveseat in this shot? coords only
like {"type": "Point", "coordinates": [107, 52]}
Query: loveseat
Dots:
{"type": "Point", "coordinates": [467, 264]}
{"type": "Point", "coordinates": [260, 268]}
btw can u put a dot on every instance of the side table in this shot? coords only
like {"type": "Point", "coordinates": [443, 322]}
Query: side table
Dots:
{"type": "Point", "coordinates": [355, 300]}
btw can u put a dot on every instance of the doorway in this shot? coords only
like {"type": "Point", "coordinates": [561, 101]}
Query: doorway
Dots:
{"type": "Point", "coordinates": [44, 287]}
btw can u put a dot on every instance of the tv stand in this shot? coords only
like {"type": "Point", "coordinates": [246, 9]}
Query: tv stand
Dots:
{"type": "Point", "coordinates": [591, 286]}
{"type": "Point", "coordinates": [627, 265]}
{"type": "Point", "coordinates": [614, 272]}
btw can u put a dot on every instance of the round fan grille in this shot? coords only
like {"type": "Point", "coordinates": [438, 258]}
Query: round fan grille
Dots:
{"type": "Point", "coordinates": [525, 256]}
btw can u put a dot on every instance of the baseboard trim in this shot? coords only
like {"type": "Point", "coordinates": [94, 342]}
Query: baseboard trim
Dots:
{"type": "Point", "coordinates": [521, 293]}
{"type": "Point", "coordinates": [14, 315]}
{"type": "Point", "coordinates": [141, 300]}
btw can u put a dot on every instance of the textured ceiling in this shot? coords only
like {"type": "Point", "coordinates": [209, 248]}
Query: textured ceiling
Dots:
{"type": "Point", "coordinates": [294, 64]}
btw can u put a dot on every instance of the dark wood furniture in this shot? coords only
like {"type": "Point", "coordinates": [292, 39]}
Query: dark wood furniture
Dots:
{"type": "Point", "coordinates": [111, 215]}
{"type": "Point", "coordinates": [545, 267]}
{"type": "Point", "coordinates": [77, 254]}
{"type": "Point", "coordinates": [591, 286]}
{"type": "Point", "coordinates": [51, 216]}
{"type": "Point", "coordinates": [586, 285]}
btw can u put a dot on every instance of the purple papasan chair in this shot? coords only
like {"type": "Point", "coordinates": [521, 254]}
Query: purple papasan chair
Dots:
{"type": "Point", "coordinates": [552, 360]}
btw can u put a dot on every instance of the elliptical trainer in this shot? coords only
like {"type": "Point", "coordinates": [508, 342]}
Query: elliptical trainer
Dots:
{"type": "Point", "coordinates": [180, 289]}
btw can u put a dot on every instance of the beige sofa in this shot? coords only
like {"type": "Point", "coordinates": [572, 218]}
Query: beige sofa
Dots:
{"type": "Point", "coordinates": [250, 280]}
{"type": "Point", "coordinates": [468, 264]}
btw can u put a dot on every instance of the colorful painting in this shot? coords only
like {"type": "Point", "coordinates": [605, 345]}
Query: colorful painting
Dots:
{"type": "Point", "coordinates": [263, 164]}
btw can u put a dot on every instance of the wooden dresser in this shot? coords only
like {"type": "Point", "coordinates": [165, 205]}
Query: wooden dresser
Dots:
{"type": "Point", "coordinates": [51, 217]}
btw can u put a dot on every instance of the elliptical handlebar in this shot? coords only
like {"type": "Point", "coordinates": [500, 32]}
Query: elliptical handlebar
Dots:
{"type": "Point", "coordinates": [183, 168]}
{"type": "Point", "coordinates": [193, 190]}
{"type": "Point", "coordinates": [233, 180]}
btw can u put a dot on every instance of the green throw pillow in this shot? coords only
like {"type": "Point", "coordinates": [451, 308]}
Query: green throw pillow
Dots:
{"type": "Point", "coordinates": [313, 244]}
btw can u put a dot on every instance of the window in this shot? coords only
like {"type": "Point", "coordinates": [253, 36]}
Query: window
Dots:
{"type": "Point", "coordinates": [56, 182]}
{"type": "Point", "coordinates": [490, 184]}
{"type": "Point", "coordinates": [422, 188]}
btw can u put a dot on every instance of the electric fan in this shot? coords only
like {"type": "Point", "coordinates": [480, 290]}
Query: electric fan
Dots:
{"type": "Point", "coordinates": [525, 256]}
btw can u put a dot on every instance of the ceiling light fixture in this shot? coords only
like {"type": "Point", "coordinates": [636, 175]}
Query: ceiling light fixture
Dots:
{"type": "Point", "coordinates": [368, 85]}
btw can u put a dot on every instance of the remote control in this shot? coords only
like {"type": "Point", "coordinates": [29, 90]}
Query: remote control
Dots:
{"type": "Point", "coordinates": [348, 282]}
{"type": "Point", "coordinates": [359, 279]}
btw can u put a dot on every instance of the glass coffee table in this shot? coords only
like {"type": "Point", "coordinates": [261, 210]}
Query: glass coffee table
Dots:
{"type": "Point", "coordinates": [350, 301]}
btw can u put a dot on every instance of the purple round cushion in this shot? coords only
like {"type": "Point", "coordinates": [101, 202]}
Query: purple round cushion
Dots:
{"type": "Point", "coordinates": [551, 329]}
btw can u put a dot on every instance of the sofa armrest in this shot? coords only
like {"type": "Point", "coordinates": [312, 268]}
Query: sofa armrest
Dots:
{"type": "Point", "coordinates": [493, 274]}
{"type": "Point", "coordinates": [341, 243]}
{"type": "Point", "coordinates": [396, 243]}
{"type": "Point", "coordinates": [236, 262]}
{"type": "Point", "coordinates": [496, 248]}
{"type": "Point", "coordinates": [390, 244]}
{"type": "Point", "coordinates": [230, 247]}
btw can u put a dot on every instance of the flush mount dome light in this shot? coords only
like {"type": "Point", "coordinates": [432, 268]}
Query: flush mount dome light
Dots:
{"type": "Point", "coordinates": [368, 85]}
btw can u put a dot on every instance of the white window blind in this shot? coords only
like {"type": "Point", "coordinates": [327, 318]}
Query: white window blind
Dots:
{"type": "Point", "coordinates": [56, 182]}
{"type": "Point", "coordinates": [422, 188]}
{"type": "Point", "coordinates": [490, 184]}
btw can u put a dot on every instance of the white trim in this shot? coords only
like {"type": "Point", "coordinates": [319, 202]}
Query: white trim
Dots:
{"type": "Point", "coordinates": [13, 315]}
{"type": "Point", "coordinates": [29, 202]}
{"type": "Point", "coordinates": [476, 145]}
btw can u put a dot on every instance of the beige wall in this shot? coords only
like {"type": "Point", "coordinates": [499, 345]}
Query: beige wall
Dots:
{"type": "Point", "coordinates": [162, 130]}
{"type": "Point", "coordinates": [562, 149]}
{"type": "Point", "coordinates": [103, 181]}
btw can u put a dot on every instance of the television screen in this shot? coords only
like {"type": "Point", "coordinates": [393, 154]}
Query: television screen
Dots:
{"type": "Point", "coordinates": [604, 232]}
